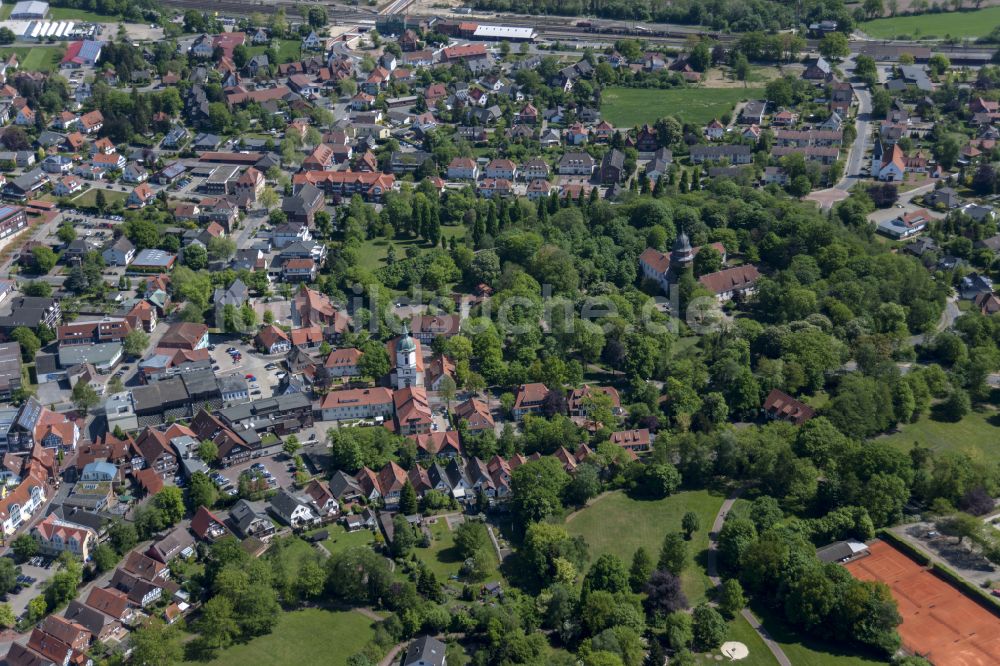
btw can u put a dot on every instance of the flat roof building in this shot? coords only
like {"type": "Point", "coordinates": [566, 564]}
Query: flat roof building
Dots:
{"type": "Point", "coordinates": [504, 33]}
{"type": "Point", "coordinates": [30, 9]}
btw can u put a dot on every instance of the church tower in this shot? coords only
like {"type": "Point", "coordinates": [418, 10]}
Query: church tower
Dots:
{"type": "Point", "coordinates": [408, 372]}
{"type": "Point", "coordinates": [682, 255]}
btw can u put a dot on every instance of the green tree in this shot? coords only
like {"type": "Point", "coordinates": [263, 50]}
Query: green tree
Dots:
{"type": "Point", "coordinates": [66, 233]}
{"type": "Point", "coordinates": [408, 504]}
{"type": "Point", "coordinates": [537, 487]}
{"type": "Point", "coordinates": [956, 406]}
{"type": "Point", "coordinates": [208, 451]}
{"type": "Point", "coordinates": [709, 627]}
{"type": "Point", "coordinates": [84, 396]}
{"type": "Point", "coordinates": [607, 574]}
{"type": "Point", "coordinates": [732, 599]}
{"type": "Point", "coordinates": [291, 446]}
{"type": "Point", "coordinates": [470, 538]}
{"type": "Point", "coordinates": [220, 248]}
{"type": "Point", "coordinates": [8, 574]}
{"type": "Point", "coordinates": [216, 626]}
{"type": "Point", "coordinates": [195, 257]}
{"type": "Point", "coordinates": [735, 537]}
{"type": "Point", "coordinates": [105, 558]}
{"type": "Point", "coordinates": [37, 608]}
{"type": "Point", "coordinates": [135, 343]}
{"type": "Point", "coordinates": [690, 524]}
{"type": "Point", "coordinates": [30, 344]}
{"type": "Point", "coordinates": [201, 491]}
{"type": "Point", "coordinates": [170, 502]}
{"type": "Point", "coordinates": [7, 618]}
{"type": "Point", "coordinates": [641, 570]}
{"type": "Point", "coordinates": [374, 361]}
{"type": "Point", "coordinates": [122, 536]}
{"type": "Point", "coordinates": [673, 554]}
{"type": "Point", "coordinates": [44, 259]}
{"type": "Point", "coordinates": [834, 46]}
{"type": "Point", "coordinates": [155, 644]}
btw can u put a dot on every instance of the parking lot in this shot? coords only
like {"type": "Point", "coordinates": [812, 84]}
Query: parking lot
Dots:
{"type": "Point", "coordinates": [19, 600]}
{"type": "Point", "coordinates": [250, 363]}
{"type": "Point", "coordinates": [279, 466]}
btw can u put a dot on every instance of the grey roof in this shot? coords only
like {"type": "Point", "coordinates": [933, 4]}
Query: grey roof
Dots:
{"type": "Point", "coordinates": [243, 514]}
{"type": "Point", "coordinates": [160, 393]}
{"type": "Point", "coordinates": [99, 354]}
{"type": "Point", "coordinates": [200, 383]}
{"type": "Point", "coordinates": [839, 551]}
{"type": "Point", "coordinates": [284, 503]}
{"type": "Point", "coordinates": [342, 484]}
{"type": "Point", "coordinates": [152, 257]}
{"type": "Point", "coordinates": [232, 384]}
{"type": "Point", "coordinates": [456, 474]}
{"type": "Point", "coordinates": [91, 618]}
{"type": "Point", "coordinates": [426, 651]}
{"type": "Point", "coordinates": [236, 294]}
{"type": "Point", "coordinates": [303, 200]}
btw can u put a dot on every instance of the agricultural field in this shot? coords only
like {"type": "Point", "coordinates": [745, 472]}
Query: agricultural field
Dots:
{"type": "Point", "coordinates": [615, 523]}
{"type": "Point", "coordinates": [627, 107]}
{"type": "Point", "coordinates": [975, 23]}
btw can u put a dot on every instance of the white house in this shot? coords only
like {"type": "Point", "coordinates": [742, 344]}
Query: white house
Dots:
{"type": "Point", "coordinates": [292, 510]}
{"type": "Point", "coordinates": [888, 164]}
{"type": "Point", "coordinates": [463, 168]}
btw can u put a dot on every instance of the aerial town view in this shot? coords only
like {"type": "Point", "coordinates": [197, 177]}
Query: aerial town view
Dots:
{"type": "Point", "coordinates": [500, 332]}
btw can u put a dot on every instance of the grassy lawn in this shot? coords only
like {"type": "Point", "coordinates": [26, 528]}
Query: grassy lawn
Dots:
{"type": "Point", "coordinates": [442, 558]}
{"type": "Point", "coordinates": [288, 50]}
{"type": "Point", "coordinates": [340, 539]}
{"type": "Point", "coordinates": [373, 252]}
{"type": "Point", "coordinates": [976, 23]}
{"type": "Point", "coordinates": [626, 107]}
{"type": "Point", "coordinates": [976, 435]}
{"type": "Point", "coordinates": [617, 524]}
{"type": "Point", "coordinates": [298, 551]}
{"type": "Point", "coordinates": [802, 650]}
{"type": "Point", "coordinates": [304, 637]}
{"type": "Point", "coordinates": [741, 631]}
{"type": "Point", "coordinates": [89, 197]}
{"type": "Point", "coordinates": [36, 58]}
{"type": "Point", "coordinates": [70, 14]}
{"type": "Point", "coordinates": [5, 11]}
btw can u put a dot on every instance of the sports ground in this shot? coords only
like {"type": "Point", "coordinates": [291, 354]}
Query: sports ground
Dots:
{"type": "Point", "coordinates": [939, 622]}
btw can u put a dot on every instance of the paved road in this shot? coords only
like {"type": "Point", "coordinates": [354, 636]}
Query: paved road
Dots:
{"type": "Point", "coordinates": [948, 317]}
{"type": "Point", "coordinates": [713, 575]}
{"type": "Point", "coordinates": [855, 159]}
{"type": "Point", "coordinates": [856, 155]}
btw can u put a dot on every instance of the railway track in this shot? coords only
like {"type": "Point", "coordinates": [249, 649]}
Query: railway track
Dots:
{"type": "Point", "coordinates": [553, 27]}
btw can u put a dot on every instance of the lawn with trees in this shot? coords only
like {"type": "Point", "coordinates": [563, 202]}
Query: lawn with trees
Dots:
{"type": "Point", "coordinates": [618, 524]}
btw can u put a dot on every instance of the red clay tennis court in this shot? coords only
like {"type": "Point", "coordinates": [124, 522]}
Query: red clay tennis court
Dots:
{"type": "Point", "coordinates": [939, 622]}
